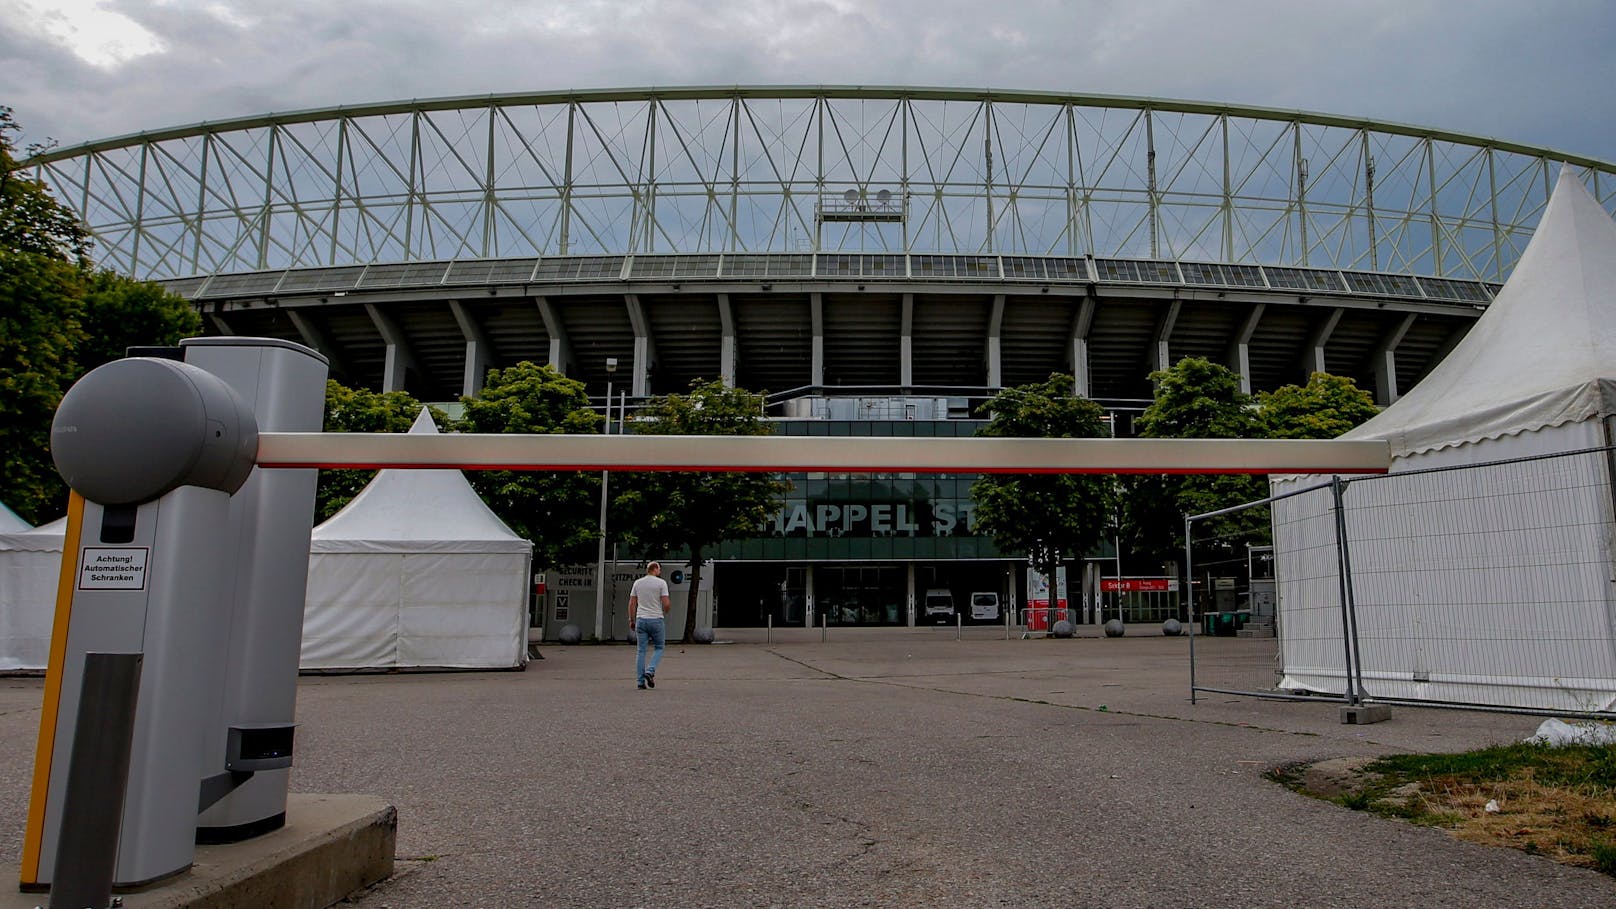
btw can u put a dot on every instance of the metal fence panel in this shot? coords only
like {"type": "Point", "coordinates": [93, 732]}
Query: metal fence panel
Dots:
{"type": "Point", "coordinates": [1486, 586]}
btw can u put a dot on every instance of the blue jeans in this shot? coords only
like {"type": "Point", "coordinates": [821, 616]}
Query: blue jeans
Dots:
{"type": "Point", "coordinates": [652, 631]}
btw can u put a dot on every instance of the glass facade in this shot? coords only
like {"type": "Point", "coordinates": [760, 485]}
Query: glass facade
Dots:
{"type": "Point", "coordinates": [827, 517]}
{"type": "Point", "coordinates": [851, 549]}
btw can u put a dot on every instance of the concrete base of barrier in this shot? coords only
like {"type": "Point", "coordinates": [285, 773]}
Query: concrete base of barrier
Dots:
{"type": "Point", "coordinates": [1364, 714]}
{"type": "Point", "coordinates": [331, 847]}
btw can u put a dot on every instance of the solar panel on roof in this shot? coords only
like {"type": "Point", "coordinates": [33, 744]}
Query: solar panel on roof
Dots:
{"type": "Point", "coordinates": [246, 284]}
{"type": "Point", "coordinates": [1303, 278]}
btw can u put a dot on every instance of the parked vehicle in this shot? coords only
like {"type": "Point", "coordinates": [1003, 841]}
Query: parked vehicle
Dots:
{"type": "Point", "coordinates": [939, 605]}
{"type": "Point", "coordinates": [984, 606]}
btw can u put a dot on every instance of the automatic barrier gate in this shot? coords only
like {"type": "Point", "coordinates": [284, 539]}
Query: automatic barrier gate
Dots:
{"type": "Point", "coordinates": [174, 655]}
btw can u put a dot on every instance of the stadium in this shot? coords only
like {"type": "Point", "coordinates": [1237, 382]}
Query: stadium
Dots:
{"type": "Point", "coordinates": [878, 260]}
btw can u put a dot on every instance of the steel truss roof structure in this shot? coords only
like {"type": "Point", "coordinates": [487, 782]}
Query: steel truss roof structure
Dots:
{"type": "Point", "coordinates": [824, 236]}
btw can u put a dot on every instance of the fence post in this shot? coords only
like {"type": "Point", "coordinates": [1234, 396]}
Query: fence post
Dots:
{"type": "Point", "coordinates": [824, 627]}
{"type": "Point", "coordinates": [1344, 571]}
{"type": "Point", "coordinates": [1352, 595]}
{"type": "Point", "coordinates": [959, 623]}
{"type": "Point", "coordinates": [1189, 591]}
{"type": "Point", "coordinates": [771, 629]}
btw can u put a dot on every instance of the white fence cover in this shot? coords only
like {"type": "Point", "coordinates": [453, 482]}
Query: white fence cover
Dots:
{"type": "Point", "coordinates": [1481, 585]}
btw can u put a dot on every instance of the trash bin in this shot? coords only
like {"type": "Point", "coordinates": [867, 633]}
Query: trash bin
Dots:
{"type": "Point", "coordinates": [1222, 624]}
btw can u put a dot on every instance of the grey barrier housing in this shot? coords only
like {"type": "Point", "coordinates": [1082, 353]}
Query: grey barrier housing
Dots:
{"type": "Point", "coordinates": [250, 740]}
{"type": "Point", "coordinates": [163, 453]}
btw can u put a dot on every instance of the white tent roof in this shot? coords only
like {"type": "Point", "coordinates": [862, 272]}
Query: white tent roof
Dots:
{"type": "Point", "coordinates": [44, 538]}
{"type": "Point", "coordinates": [417, 511]}
{"type": "Point", "coordinates": [10, 523]}
{"type": "Point", "coordinates": [1543, 354]}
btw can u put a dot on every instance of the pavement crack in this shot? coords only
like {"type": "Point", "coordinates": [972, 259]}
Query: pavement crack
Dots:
{"type": "Point", "coordinates": [811, 668]}
{"type": "Point", "coordinates": [897, 682]}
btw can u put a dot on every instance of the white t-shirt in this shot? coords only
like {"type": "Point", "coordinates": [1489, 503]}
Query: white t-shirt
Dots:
{"type": "Point", "coordinates": [647, 594]}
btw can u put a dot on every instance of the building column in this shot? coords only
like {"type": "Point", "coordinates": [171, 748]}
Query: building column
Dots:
{"type": "Point", "coordinates": [995, 333]}
{"type": "Point", "coordinates": [644, 349]}
{"type": "Point", "coordinates": [1078, 344]}
{"type": "Point", "coordinates": [911, 597]}
{"type": "Point", "coordinates": [312, 336]}
{"type": "Point", "coordinates": [400, 358]}
{"type": "Point", "coordinates": [561, 355]}
{"type": "Point", "coordinates": [478, 351]}
{"type": "Point", "coordinates": [809, 617]}
{"type": "Point", "coordinates": [1240, 347]}
{"type": "Point", "coordinates": [906, 344]}
{"type": "Point", "coordinates": [1161, 352]}
{"type": "Point", "coordinates": [816, 309]}
{"type": "Point", "coordinates": [726, 350]}
{"type": "Point", "coordinates": [1313, 354]}
{"type": "Point", "coordinates": [1385, 362]}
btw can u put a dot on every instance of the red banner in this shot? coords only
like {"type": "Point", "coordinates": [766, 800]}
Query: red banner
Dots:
{"type": "Point", "coordinates": [1138, 585]}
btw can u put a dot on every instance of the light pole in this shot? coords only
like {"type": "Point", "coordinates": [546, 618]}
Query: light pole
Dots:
{"type": "Point", "coordinates": [1116, 528]}
{"type": "Point", "coordinates": [600, 564]}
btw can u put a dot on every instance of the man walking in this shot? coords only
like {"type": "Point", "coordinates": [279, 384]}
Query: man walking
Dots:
{"type": "Point", "coordinates": [649, 601]}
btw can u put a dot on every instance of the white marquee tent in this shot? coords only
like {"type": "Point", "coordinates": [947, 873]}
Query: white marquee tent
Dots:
{"type": "Point", "coordinates": [10, 523]}
{"type": "Point", "coordinates": [30, 565]}
{"type": "Point", "coordinates": [1472, 587]}
{"type": "Point", "coordinates": [416, 572]}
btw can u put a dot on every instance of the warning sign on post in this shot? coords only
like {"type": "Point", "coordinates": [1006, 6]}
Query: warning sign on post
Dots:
{"type": "Point", "coordinates": [113, 569]}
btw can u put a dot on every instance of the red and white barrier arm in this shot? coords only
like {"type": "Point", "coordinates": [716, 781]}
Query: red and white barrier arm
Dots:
{"type": "Point", "coordinates": [839, 454]}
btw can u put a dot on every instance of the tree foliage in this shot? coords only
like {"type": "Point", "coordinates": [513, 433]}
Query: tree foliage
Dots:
{"type": "Point", "coordinates": [39, 330]}
{"type": "Point", "coordinates": [1195, 399]}
{"type": "Point", "coordinates": [31, 221]}
{"type": "Point", "coordinates": [663, 513]}
{"type": "Point", "coordinates": [59, 318]}
{"type": "Point", "coordinates": [359, 410]}
{"type": "Point", "coordinates": [120, 313]}
{"type": "Point", "coordinates": [1044, 515]}
{"type": "Point", "coordinates": [556, 510]}
{"type": "Point", "coordinates": [1324, 408]}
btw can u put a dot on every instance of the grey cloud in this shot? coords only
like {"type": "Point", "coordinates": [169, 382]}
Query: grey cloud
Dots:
{"type": "Point", "coordinates": [1532, 73]}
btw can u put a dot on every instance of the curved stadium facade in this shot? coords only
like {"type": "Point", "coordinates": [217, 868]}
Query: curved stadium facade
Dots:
{"type": "Point", "coordinates": [879, 260]}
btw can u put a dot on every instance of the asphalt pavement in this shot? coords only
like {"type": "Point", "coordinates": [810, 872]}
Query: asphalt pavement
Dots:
{"type": "Point", "coordinates": [882, 768]}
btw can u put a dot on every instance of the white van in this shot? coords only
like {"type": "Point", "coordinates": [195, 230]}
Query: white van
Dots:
{"type": "Point", "coordinates": [984, 606]}
{"type": "Point", "coordinates": [939, 605]}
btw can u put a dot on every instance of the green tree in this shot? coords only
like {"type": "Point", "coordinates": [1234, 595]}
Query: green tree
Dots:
{"type": "Point", "coordinates": [120, 313]}
{"type": "Point", "coordinates": [40, 301]}
{"type": "Point", "coordinates": [1324, 408]}
{"type": "Point", "coordinates": [359, 410]}
{"type": "Point", "coordinates": [58, 318]}
{"type": "Point", "coordinates": [669, 512]}
{"type": "Point", "coordinates": [1195, 399]}
{"type": "Point", "coordinates": [554, 509]}
{"type": "Point", "coordinates": [1044, 515]}
{"type": "Point", "coordinates": [31, 220]}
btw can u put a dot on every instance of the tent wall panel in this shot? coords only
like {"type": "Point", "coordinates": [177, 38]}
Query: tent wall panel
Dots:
{"type": "Point", "coordinates": [351, 617]}
{"type": "Point", "coordinates": [463, 611]}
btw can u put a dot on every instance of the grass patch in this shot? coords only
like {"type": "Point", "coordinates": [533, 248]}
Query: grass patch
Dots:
{"type": "Point", "coordinates": [1555, 802]}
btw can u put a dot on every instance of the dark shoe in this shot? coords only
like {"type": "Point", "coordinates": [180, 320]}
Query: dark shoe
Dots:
{"type": "Point", "coordinates": [641, 686]}
{"type": "Point", "coordinates": [650, 680]}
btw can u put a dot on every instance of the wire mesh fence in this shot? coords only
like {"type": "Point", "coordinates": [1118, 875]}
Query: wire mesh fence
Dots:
{"type": "Point", "coordinates": [1487, 586]}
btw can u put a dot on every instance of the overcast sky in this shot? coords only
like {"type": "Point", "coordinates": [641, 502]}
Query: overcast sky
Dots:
{"type": "Point", "coordinates": [1533, 71]}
